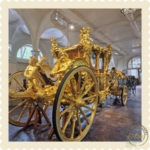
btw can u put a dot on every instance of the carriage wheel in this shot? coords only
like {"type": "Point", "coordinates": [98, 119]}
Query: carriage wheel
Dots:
{"type": "Point", "coordinates": [24, 106]}
{"type": "Point", "coordinates": [76, 99]}
{"type": "Point", "coordinates": [124, 95]}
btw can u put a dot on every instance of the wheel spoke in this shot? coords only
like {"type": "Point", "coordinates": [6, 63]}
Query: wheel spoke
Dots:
{"type": "Point", "coordinates": [86, 91]}
{"type": "Point", "coordinates": [79, 122]}
{"type": "Point", "coordinates": [68, 108]}
{"type": "Point", "coordinates": [24, 108]}
{"type": "Point", "coordinates": [83, 86]}
{"type": "Point", "coordinates": [88, 107]}
{"type": "Point", "coordinates": [86, 111]}
{"type": "Point", "coordinates": [73, 125]}
{"type": "Point", "coordinates": [18, 106]}
{"type": "Point", "coordinates": [125, 94]}
{"type": "Point", "coordinates": [68, 119]}
{"type": "Point", "coordinates": [82, 112]}
{"type": "Point", "coordinates": [73, 89]}
{"type": "Point", "coordinates": [19, 84]}
{"type": "Point", "coordinates": [69, 98]}
{"type": "Point", "coordinates": [87, 98]}
{"type": "Point", "coordinates": [79, 81]}
{"type": "Point", "coordinates": [91, 92]}
{"type": "Point", "coordinates": [15, 99]}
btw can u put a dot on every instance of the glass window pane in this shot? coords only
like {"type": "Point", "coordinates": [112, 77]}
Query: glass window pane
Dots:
{"type": "Point", "coordinates": [135, 63]}
{"type": "Point", "coordinates": [129, 64]}
{"type": "Point", "coordinates": [19, 53]}
{"type": "Point", "coordinates": [93, 59]}
{"type": "Point", "coordinates": [25, 52]}
{"type": "Point", "coordinates": [100, 63]}
{"type": "Point", "coordinates": [10, 47]}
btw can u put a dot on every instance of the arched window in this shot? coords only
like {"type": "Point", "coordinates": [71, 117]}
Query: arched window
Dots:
{"type": "Point", "coordinates": [10, 47]}
{"type": "Point", "coordinates": [134, 63]}
{"type": "Point", "coordinates": [25, 52]}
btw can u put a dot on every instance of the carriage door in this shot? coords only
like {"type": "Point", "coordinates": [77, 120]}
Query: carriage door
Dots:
{"type": "Point", "coordinates": [101, 72]}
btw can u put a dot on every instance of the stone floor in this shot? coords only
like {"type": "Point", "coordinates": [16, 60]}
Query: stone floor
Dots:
{"type": "Point", "coordinates": [110, 123]}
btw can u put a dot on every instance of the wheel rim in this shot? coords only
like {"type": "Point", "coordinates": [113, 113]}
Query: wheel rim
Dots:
{"type": "Point", "coordinates": [24, 106]}
{"type": "Point", "coordinates": [125, 94]}
{"type": "Point", "coordinates": [79, 111]}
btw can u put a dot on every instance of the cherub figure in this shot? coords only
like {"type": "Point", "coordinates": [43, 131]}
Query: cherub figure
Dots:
{"type": "Point", "coordinates": [64, 64]}
{"type": "Point", "coordinates": [86, 43]}
{"type": "Point", "coordinates": [62, 60]}
{"type": "Point", "coordinates": [31, 72]}
{"type": "Point", "coordinates": [61, 66]}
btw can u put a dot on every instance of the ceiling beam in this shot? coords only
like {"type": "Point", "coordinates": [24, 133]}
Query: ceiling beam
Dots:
{"type": "Point", "coordinates": [134, 25]}
{"type": "Point", "coordinates": [137, 47]}
{"type": "Point", "coordinates": [99, 36]}
{"type": "Point", "coordinates": [126, 40]}
{"type": "Point", "coordinates": [111, 25]}
{"type": "Point", "coordinates": [138, 18]}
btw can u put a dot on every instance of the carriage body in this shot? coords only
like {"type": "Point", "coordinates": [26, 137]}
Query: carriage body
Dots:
{"type": "Point", "coordinates": [98, 60]}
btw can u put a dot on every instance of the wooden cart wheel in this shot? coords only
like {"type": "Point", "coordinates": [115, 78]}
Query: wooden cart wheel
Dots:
{"type": "Point", "coordinates": [19, 114]}
{"type": "Point", "coordinates": [124, 95]}
{"type": "Point", "coordinates": [76, 99]}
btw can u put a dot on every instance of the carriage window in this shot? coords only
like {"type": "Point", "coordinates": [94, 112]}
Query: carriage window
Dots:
{"type": "Point", "coordinates": [101, 61]}
{"type": "Point", "coordinates": [93, 59]}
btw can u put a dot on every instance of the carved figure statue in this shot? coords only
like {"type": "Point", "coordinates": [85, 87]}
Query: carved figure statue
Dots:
{"type": "Point", "coordinates": [62, 66]}
{"type": "Point", "coordinates": [32, 70]}
{"type": "Point", "coordinates": [85, 43]}
{"type": "Point", "coordinates": [54, 49]}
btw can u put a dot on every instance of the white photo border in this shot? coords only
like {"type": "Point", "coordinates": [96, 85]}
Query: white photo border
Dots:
{"type": "Point", "coordinates": [5, 5]}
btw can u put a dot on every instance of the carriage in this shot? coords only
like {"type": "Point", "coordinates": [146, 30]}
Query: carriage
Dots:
{"type": "Point", "coordinates": [131, 82]}
{"type": "Point", "coordinates": [83, 81]}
